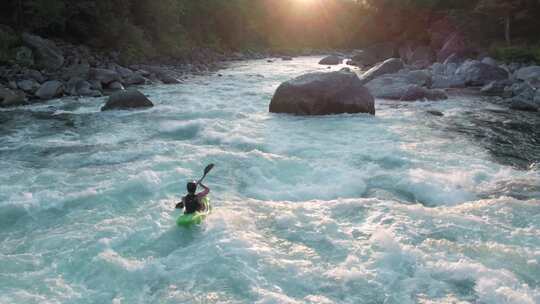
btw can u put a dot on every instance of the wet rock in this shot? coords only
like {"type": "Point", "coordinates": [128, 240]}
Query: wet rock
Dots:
{"type": "Point", "coordinates": [414, 92]}
{"type": "Point", "coordinates": [286, 58]}
{"type": "Point", "coordinates": [388, 66]}
{"type": "Point", "coordinates": [528, 73]}
{"type": "Point", "coordinates": [50, 89]}
{"type": "Point", "coordinates": [323, 94]}
{"type": "Point", "coordinates": [490, 61]}
{"type": "Point", "coordinates": [80, 87]}
{"type": "Point", "coordinates": [435, 113]}
{"type": "Point", "coordinates": [115, 86]}
{"type": "Point", "coordinates": [35, 75]}
{"type": "Point", "coordinates": [129, 99]}
{"type": "Point", "coordinates": [331, 60]}
{"type": "Point", "coordinates": [125, 73]}
{"type": "Point", "coordinates": [477, 73]}
{"type": "Point", "coordinates": [11, 98]}
{"type": "Point", "coordinates": [81, 70]}
{"type": "Point", "coordinates": [135, 79]}
{"type": "Point", "coordinates": [28, 85]}
{"type": "Point", "coordinates": [495, 88]}
{"type": "Point", "coordinates": [394, 86]}
{"type": "Point", "coordinates": [105, 76]}
{"type": "Point", "coordinates": [525, 104]}
{"type": "Point", "coordinates": [47, 54]}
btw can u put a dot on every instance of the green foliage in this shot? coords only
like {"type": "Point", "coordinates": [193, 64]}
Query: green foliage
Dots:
{"type": "Point", "coordinates": [8, 40]}
{"type": "Point", "coordinates": [517, 54]}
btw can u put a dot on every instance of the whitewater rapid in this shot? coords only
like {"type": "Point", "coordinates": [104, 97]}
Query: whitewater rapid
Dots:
{"type": "Point", "coordinates": [401, 207]}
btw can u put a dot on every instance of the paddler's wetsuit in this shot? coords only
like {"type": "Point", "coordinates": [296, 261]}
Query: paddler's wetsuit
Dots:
{"type": "Point", "coordinates": [193, 202]}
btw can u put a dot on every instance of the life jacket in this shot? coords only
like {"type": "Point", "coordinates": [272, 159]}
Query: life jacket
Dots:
{"type": "Point", "coordinates": [191, 203]}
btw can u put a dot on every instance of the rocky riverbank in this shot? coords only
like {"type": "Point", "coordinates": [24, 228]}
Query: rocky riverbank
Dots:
{"type": "Point", "coordinates": [41, 69]}
{"type": "Point", "coordinates": [409, 73]}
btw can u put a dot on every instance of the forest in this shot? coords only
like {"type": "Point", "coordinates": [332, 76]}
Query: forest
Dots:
{"type": "Point", "coordinates": [146, 28]}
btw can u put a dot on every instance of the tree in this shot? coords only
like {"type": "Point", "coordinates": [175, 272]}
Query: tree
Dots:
{"type": "Point", "coordinates": [506, 10]}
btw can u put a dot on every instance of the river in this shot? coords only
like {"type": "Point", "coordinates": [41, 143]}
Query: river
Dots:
{"type": "Point", "coordinates": [401, 207]}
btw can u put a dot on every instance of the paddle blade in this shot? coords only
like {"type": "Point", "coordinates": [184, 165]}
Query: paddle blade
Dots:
{"type": "Point", "coordinates": [208, 168]}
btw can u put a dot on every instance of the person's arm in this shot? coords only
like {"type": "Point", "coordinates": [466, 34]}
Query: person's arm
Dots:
{"type": "Point", "coordinates": [203, 193]}
{"type": "Point", "coordinates": [180, 205]}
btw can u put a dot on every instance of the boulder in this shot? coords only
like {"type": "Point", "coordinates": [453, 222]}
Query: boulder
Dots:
{"type": "Point", "coordinates": [50, 89]}
{"type": "Point", "coordinates": [520, 88]}
{"type": "Point", "coordinates": [125, 73]}
{"type": "Point", "coordinates": [105, 76]}
{"type": "Point", "coordinates": [395, 86]}
{"type": "Point", "coordinates": [490, 61]}
{"type": "Point", "coordinates": [47, 54]}
{"type": "Point", "coordinates": [447, 81]}
{"type": "Point", "coordinates": [81, 70]}
{"type": "Point", "coordinates": [35, 75]}
{"type": "Point", "coordinates": [11, 98]}
{"type": "Point", "coordinates": [524, 104]}
{"type": "Point", "coordinates": [528, 73]}
{"type": "Point", "coordinates": [323, 94]}
{"type": "Point", "coordinates": [24, 56]}
{"type": "Point", "coordinates": [364, 58]}
{"type": "Point", "coordinates": [331, 60]}
{"type": "Point", "coordinates": [28, 85]}
{"type": "Point", "coordinates": [454, 44]}
{"type": "Point", "coordinates": [414, 92]}
{"type": "Point", "coordinates": [477, 73]}
{"type": "Point", "coordinates": [454, 59]}
{"type": "Point", "coordinates": [388, 66]}
{"type": "Point", "coordinates": [495, 88]}
{"type": "Point", "coordinates": [80, 87]}
{"type": "Point", "coordinates": [115, 86]}
{"type": "Point", "coordinates": [135, 79]}
{"type": "Point", "coordinates": [129, 99]}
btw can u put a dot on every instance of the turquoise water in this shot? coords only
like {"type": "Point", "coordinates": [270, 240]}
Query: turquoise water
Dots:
{"type": "Point", "coordinates": [403, 207]}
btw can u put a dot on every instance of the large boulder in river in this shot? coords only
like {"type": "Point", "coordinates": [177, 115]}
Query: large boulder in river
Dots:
{"type": "Point", "coordinates": [50, 89]}
{"type": "Point", "coordinates": [388, 66]}
{"type": "Point", "coordinates": [10, 98]}
{"type": "Point", "coordinates": [129, 99]}
{"type": "Point", "coordinates": [477, 73]}
{"type": "Point", "coordinates": [48, 55]}
{"type": "Point", "coordinates": [323, 94]}
{"type": "Point", "coordinates": [331, 60]}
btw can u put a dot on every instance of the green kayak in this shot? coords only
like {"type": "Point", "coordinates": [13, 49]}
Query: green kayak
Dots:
{"type": "Point", "coordinates": [186, 220]}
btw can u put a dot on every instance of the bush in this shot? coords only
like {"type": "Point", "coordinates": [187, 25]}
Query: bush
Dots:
{"type": "Point", "coordinates": [517, 54]}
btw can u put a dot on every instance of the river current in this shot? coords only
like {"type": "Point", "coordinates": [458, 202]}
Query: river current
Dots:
{"type": "Point", "coordinates": [401, 207]}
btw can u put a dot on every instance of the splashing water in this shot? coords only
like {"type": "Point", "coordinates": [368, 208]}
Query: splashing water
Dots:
{"type": "Point", "coordinates": [402, 207]}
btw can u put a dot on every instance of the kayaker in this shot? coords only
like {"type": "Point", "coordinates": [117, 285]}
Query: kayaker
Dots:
{"type": "Point", "coordinates": [193, 202]}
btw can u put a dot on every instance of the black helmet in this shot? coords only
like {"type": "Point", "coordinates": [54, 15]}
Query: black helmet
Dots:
{"type": "Point", "coordinates": [192, 187]}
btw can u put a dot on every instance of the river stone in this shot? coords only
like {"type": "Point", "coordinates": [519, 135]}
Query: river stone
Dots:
{"type": "Point", "coordinates": [80, 87]}
{"type": "Point", "coordinates": [322, 94]}
{"type": "Point", "coordinates": [115, 86]}
{"type": "Point", "coordinates": [105, 76]}
{"type": "Point", "coordinates": [495, 88]}
{"type": "Point", "coordinates": [388, 66]}
{"type": "Point", "coordinates": [35, 75]}
{"type": "Point", "coordinates": [50, 89]}
{"type": "Point", "coordinates": [135, 79]}
{"type": "Point", "coordinates": [528, 73]}
{"type": "Point", "coordinates": [48, 55]}
{"type": "Point", "coordinates": [10, 98]}
{"type": "Point", "coordinates": [81, 70]}
{"type": "Point", "coordinates": [28, 85]}
{"type": "Point", "coordinates": [128, 99]}
{"type": "Point", "coordinates": [331, 60]}
{"type": "Point", "coordinates": [477, 73]}
{"type": "Point", "coordinates": [490, 61]}
{"type": "Point", "coordinates": [524, 104]}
